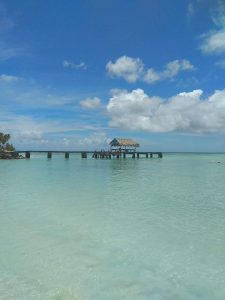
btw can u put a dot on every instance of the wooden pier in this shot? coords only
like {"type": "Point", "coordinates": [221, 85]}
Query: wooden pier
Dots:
{"type": "Point", "coordinates": [119, 148]}
{"type": "Point", "coordinates": [96, 154]}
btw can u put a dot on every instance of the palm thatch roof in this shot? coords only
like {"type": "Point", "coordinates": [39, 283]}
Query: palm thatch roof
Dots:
{"type": "Point", "coordinates": [118, 142]}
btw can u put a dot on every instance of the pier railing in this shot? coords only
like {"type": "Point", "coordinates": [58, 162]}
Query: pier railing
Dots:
{"type": "Point", "coordinates": [96, 154]}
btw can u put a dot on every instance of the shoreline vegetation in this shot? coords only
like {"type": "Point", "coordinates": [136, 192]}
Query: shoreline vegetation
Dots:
{"type": "Point", "coordinates": [7, 151]}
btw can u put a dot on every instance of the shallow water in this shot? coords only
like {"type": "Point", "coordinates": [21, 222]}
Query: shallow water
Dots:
{"type": "Point", "coordinates": [113, 229]}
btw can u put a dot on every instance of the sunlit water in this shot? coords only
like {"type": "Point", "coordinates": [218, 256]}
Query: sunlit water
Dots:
{"type": "Point", "coordinates": [150, 229]}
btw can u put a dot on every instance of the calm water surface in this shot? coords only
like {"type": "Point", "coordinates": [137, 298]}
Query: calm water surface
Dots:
{"type": "Point", "coordinates": [113, 229]}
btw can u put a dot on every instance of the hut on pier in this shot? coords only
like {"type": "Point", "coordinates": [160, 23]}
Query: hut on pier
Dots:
{"type": "Point", "coordinates": [123, 145]}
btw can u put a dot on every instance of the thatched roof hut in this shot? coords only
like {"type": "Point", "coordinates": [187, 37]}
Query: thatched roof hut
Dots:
{"type": "Point", "coordinates": [123, 144]}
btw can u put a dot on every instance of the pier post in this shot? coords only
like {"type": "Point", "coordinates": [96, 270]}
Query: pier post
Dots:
{"type": "Point", "coordinates": [67, 155]}
{"type": "Point", "coordinates": [27, 154]}
{"type": "Point", "coordinates": [49, 155]}
{"type": "Point", "coordinates": [160, 155]}
{"type": "Point", "coordinates": [151, 155]}
{"type": "Point", "coordinates": [133, 155]}
{"type": "Point", "coordinates": [83, 154]}
{"type": "Point", "coordinates": [137, 155]}
{"type": "Point", "coordinates": [124, 155]}
{"type": "Point", "coordinates": [146, 155]}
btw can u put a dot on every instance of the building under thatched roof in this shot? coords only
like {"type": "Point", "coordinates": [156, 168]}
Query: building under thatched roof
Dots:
{"type": "Point", "coordinates": [123, 144]}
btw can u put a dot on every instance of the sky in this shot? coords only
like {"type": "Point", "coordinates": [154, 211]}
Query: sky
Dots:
{"type": "Point", "coordinates": [76, 74]}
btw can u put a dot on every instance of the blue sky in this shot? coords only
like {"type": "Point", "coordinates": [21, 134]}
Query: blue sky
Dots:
{"type": "Point", "coordinates": [75, 74]}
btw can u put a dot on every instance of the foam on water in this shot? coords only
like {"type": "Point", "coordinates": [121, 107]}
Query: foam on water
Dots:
{"type": "Point", "coordinates": [113, 229]}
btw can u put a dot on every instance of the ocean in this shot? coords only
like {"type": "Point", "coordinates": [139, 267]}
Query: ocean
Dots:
{"type": "Point", "coordinates": [94, 229]}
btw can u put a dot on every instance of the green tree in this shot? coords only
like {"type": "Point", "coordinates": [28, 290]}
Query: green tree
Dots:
{"type": "Point", "coordinates": [4, 145]}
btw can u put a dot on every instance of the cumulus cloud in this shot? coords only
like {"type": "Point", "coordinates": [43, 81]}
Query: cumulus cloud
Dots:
{"type": "Point", "coordinates": [90, 103]}
{"type": "Point", "coordinates": [133, 69]}
{"type": "Point", "coordinates": [185, 112]}
{"type": "Point", "coordinates": [170, 71]}
{"type": "Point", "coordinates": [71, 65]}
{"type": "Point", "coordinates": [129, 68]}
{"type": "Point", "coordinates": [213, 42]}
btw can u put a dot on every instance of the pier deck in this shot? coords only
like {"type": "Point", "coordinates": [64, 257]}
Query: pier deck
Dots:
{"type": "Point", "coordinates": [96, 154]}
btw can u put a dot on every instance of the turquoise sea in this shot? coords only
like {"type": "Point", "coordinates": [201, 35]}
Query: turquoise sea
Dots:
{"type": "Point", "coordinates": [135, 229]}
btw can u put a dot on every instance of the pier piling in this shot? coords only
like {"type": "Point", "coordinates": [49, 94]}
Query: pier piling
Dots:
{"type": "Point", "coordinates": [27, 154]}
{"type": "Point", "coordinates": [83, 154]}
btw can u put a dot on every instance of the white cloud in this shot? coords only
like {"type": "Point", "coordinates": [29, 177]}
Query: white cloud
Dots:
{"type": "Point", "coordinates": [133, 69]}
{"type": "Point", "coordinates": [151, 76]}
{"type": "Point", "coordinates": [8, 78]}
{"type": "Point", "coordinates": [185, 112]}
{"type": "Point", "coordinates": [22, 129]}
{"type": "Point", "coordinates": [213, 42]}
{"type": "Point", "coordinates": [90, 103]}
{"type": "Point", "coordinates": [129, 68]}
{"type": "Point", "coordinates": [170, 71]}
{"type": "Point", "coordinates": [71, 65]}
{"type": "Point", "coordinates": [38, 133]}
{"type": "Point", "coordinates": [174, 67]}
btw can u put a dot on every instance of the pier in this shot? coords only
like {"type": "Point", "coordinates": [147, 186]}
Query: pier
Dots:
{"type": "Point", "coordinates": [119, 148]}
{"type": "Point", "coordinates": [95, 154]}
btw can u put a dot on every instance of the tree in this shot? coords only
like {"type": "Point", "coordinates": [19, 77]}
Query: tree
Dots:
{"type": "Point", "coordinates": [4, 145]}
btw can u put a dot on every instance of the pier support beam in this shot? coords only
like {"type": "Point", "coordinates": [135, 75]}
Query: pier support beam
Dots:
{"type": "Point", "coordinates": [27, 154]}
{"type": "Point", "coordinates": [124, 155]}
{"type": "Point", "coordinates": [67, 155]}
{"type": "Point", "coordinates": [146, 155]}
{"type": "Point", "coordinates": [137, 155]}
{"type": "Point", "coordinates": [49, 155]}
{"type": "Point", "coordinates": [160, 155]}
{"type": "Point", "coordinates": [133, 155]}
{"type": "Point", "coordinates": [83, 154]}
{"type": "Point", "coordinates": [151, 155]}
